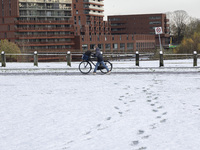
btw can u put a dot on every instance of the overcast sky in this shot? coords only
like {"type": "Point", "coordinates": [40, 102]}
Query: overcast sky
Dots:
{"type": "Point", "coordinates": [121, 7]}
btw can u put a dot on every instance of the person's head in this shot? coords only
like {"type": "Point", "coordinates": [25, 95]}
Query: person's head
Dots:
{"type": "Point", "coordinates": [95, 47]}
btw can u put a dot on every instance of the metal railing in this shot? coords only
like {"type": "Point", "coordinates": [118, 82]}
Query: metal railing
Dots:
{"type": "Point", "coordinates": [69, 55]}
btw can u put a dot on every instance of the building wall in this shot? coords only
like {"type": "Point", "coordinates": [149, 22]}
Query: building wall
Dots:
{"type": "Point", "coordinates": [140, 24]}
{"type": "Point", "coordinates": [118, 43]}
{"type": "Point", "coordinates": [88, 17]}
{"type": "Point", "coordinates": [32, 29]}
{"type": "Point", "coordinates": [8, 13]}
{"type": "Point", "coordinates": [43, 25]}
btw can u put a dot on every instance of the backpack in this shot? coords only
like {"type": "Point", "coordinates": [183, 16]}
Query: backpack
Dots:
{"type": "Point", "coordinates": [86, 55]}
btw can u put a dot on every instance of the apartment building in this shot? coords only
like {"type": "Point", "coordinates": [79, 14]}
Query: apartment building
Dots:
{"type": "Point", "coordinates": [88, 17]}
{"type": "Point", "coordinates": [140, 24]}
{"type": "Point", "coordinates": [90, 29]}
{"type": "Point", "coordinates": [42, 25]}
{"type": "Point", "coordinates": [62, 25]}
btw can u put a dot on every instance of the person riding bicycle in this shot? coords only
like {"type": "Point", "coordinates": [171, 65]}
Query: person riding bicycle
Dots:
{"type": "Point", "coordinates": [99, 60]}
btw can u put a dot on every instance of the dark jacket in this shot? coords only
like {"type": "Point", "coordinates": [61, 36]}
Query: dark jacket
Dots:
{"type": "Point", "coordinates": [99, 55]}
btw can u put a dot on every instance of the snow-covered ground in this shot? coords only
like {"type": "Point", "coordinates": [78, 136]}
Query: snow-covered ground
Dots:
{"type": "Point", "coordinates": [100, 112]}
{"type": "Point", "coordinates": [185, 65]}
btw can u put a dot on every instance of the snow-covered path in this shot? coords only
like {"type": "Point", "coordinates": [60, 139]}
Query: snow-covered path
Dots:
{"type": "Point", "coordinates": [109, 112]}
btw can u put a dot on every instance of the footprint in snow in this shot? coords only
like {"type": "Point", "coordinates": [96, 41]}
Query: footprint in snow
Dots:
{"type": "Point", "coordinates": [132, 101]}
{"type": "Point", "coordinates": [140, 132]}
{"type": "Point", "coordinates": [109, 118]}
{"type": "Point", "coordinates": [154, 110]}
{"type": "Point", "coordinates": [163, 121]}
{"type": "Point", "coordinates": [134, 143]}
{"type": "Point", "coordinates": [146, 137]}
{"type": "Point", "coordinates": [165, 113]}
{"type": "Point", "coordinates": [116, 107]}
{"type": "Point", "coordinates": [160, 107]}
{"type": "Point", "coordinates": [87, 133]}
{"type": "Point", "coordinates": [142, 148]}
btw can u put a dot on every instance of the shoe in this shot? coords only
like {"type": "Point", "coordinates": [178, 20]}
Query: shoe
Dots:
{"type": "Point", "coordinates": [94, 73]}
{"type": "Point", "coordinates": [108, 72]}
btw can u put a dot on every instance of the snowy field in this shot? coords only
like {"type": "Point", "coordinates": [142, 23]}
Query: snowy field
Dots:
{"type": "Point", "coordinates": [59, 68]}
{"type": "Point", "coordinates": [136, 111]}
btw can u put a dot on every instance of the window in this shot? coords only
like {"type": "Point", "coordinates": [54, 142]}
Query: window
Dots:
{"type": "Point", "coordinates": [77, 12]}
{"type": "Point", "coordinates": [85, 47]}
{"type": "Point", "coordinates": [122, 46]}
{"type": "Point", "coordinates": [129, 46]}
{"type": "Point", "coordinates": [115, 46]}
{"type": "Point", "coordinates": [155, 22]}
{"type": "Point", "coordinates": [91, 46]}
{"type": "Point", "coordinates": [100, 46]}
{"type": "Point", "coordinates": [155, 17]}
{"type": "Point", "coordinates": [107, 46]}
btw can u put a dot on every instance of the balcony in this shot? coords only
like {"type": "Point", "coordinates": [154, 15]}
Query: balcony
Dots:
{"type": "Point", "coordinates": [45, 15]}
{"type": "Point", "coordinates": [50, 43]}
{"type": "Point", "coordinates": [21, 22]}
{"type": "Point", "coordinates": [45, 8]}
{"type": "Point", "coordinates": [45, 36]}
{"type": "Point", "coordinates": [46, 1]}
{"type": "Point", "coordinates": [44, 29]}
{"type": "Point", "coordinates": [94, 2]}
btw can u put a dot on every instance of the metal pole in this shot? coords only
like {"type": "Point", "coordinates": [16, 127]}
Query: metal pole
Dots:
{"type": "Point", "coordinates": [69, 58]}
{"type": "Point", "coordinates": [195, 58]}
{"type": "Point", "coordinates": [35, 58]}
{"type": "Point", "coordinates": [160, 42]}
{"type": "Point", "coordinates": [161, 59]}
{"type": "Point", "coordinates": [3, 59]}
{"type": "Point", "coordinates": [137, 58]}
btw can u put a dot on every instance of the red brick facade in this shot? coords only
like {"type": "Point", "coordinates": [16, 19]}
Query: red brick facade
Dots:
{"type": "Point", "coordinates": [140, 24]}
{"type": "Point", "coordinates": [63, 25]}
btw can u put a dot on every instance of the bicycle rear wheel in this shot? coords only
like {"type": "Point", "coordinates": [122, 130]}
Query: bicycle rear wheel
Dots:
{"type": "Point", "coordinates": [108, 64]}
{"type": "Point", "coordinates": [85, 67]}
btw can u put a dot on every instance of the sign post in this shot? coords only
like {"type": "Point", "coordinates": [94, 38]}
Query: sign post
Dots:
{"type": "Point", "coordinates": [158, 31]}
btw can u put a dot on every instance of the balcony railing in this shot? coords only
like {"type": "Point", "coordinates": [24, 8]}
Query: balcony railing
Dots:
{"type": "Point", "coordinates": [44, 21]}
{"type": "Point", "coordinates": [45, 8]}
{"type": "Point", "coordinates": [44, 36]}
{"type": "Point", "coordinates": [45, 15]}
{"type": "Point", "coordinates": [47, 1]}
{"type": "Point", "coordinates": [49, 29]}
{"type": "Point", "coordinates": [94, 2]}
{"type": "Point", "coordinates": [48, 43]}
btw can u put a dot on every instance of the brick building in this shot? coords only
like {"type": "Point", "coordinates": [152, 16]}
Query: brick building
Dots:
{"type": "Point", "coordinates": [140, 24]}
{"type": "Point", "coordinates": [63, 25]}
{"type": "Point", "coordinates": [43, 25]}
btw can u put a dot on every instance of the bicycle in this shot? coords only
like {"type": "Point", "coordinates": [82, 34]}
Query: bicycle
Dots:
{"type": "Point", "coordinates": [86, 66]}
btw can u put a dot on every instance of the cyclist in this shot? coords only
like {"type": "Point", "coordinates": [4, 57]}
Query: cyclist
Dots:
{"type": "Point", "coordinates": [99, 60]}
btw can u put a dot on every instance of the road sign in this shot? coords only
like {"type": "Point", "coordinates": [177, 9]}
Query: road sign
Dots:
{"type": "Point", "coordinates": [158, 30]}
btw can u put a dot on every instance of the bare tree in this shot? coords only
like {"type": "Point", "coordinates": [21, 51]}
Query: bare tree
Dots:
{"type": "Point", "coordinates": [178, 22]}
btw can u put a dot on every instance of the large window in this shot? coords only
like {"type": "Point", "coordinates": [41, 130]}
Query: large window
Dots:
{"type": "Point", "coordinates": [115, 46]}
{"type": "Point", "coordinates": [155, 22]}
{"type": "Point", "coordinates": [129, 45]}
{"type": "Point", "coordinates": [92, 46]}
{"type": "Point", "coordinates": [107, 46]}
{"type": "Point", "coordinates": [122, 46]}
{"type": "Point", "coordinates": [100, 46]}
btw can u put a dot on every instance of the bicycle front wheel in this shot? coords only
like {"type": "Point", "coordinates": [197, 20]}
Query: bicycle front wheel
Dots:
{"type": "Point", "coordinates": [109, 65]}
{"type": "Point", "coordinates": [85, 67]}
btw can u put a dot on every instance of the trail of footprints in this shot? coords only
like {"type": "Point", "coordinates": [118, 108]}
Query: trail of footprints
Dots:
{"type": "Point", "coordinates": [152, 99]}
